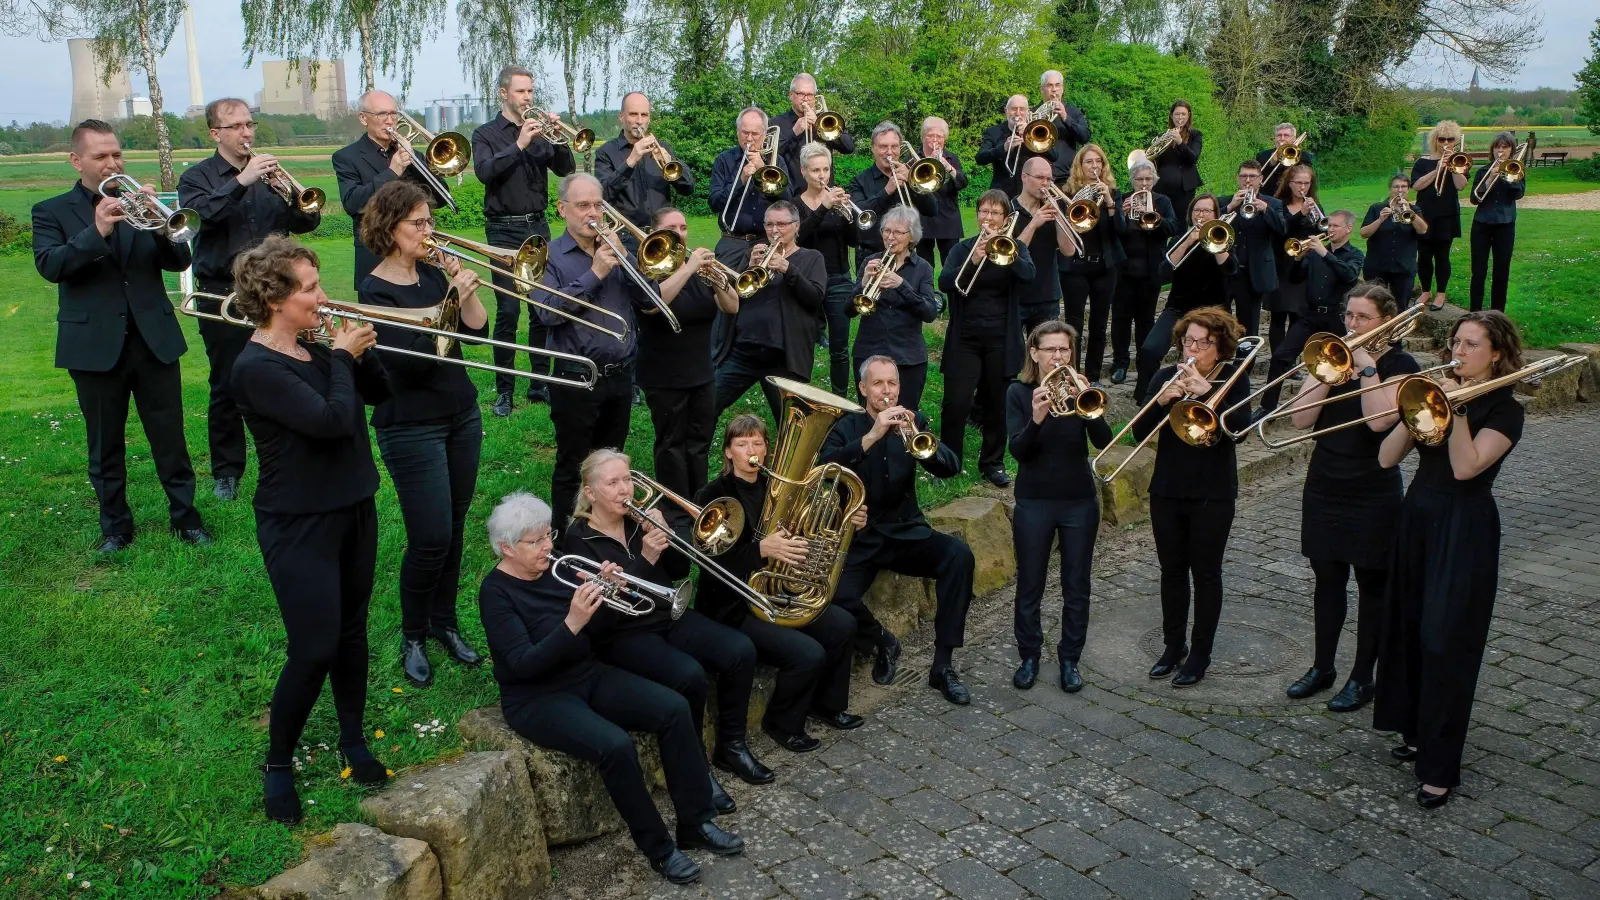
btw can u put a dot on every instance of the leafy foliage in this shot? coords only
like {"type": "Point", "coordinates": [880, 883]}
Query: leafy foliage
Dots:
{"type": "Point", "coordinates": [1588, 79]}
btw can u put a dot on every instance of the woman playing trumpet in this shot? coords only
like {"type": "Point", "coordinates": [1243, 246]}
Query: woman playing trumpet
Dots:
{"type": "Point", "coordinates": [1198, 274]}
{"type": "Point", "coordinates": [1438, 188]}
{"type": "Point", "coordinates": [1133, 310]}
{"type": "Point", "coordinates": [1304, 216]}
{"type": "Point", "coordinates": [1089, 278]}
{"type": "Point", "coordinates": [1494, 223]}
{"type": "Point", "coordinates": [1056, 497]}
{"type": "Point", "coordinates": [892, 327]}
{"type": "Point", "coordinates": [1392, 229]}
{"type": "Point", "coordinates": [829, 223]}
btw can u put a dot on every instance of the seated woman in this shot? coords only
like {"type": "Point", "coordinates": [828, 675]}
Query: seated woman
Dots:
{"type": "Point", "coordinates": [556, 694]}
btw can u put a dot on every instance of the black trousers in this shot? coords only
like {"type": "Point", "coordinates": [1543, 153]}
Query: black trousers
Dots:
{"type": "Point", "coordinates": [1245, 301]}
{"type": "Point", "coordinates": [1191, 536]}
{"type": "Point", "coordinates": [748, 364]}
{"type": "Point", "coordinates": [939, 556]}
{"type": "Point", "coordinates": [157, 390]}
{"type": "Point", "coordinates": [1433, 259]}
{"type": "Point", "coordinates": [1399, 282]}
{"type": "Point", "coordinates": [679, 657]}
{"type": "Point", "coordinates": [1153, 349]}
{"type": "Point", "coordinates": [508, 312]}
{"type": "Point", "coordinates": [1331, 606]}
{"type": "Point", "coordinates": [913, 379]}
{"type": "Point", "coordinates": [585, 421]}
{"type": "Point", "coordinates": [841, 290]}
{"type": "Point", "coordinates": [434, 467]}
{"type": "Point", "coordinates": [224, 424]}
{"type": "Point", "coordinates": [1094, 289]}
{"type": "Point", "coordinates": [813, 665]}
{"type": "Point", "coordinates": [1133, 312]}
{"type": "Point", "coordinates": [1034, 524]}
{"type": "Point", "coordinates": [974, 365]}
{"type": "Point", "coordinates": [321, 568]}
{"type": "Point", "coordinates": [1278, 326]}
{"type": "Point", "coordinates": [1499, 240]}
{"type": "Point", "coordinates": [592, 721]}
{"type": "Point", "coordinates": [684, 420]}
{"type": "Point", "coordinates": [1286, 350]}
{"type": "Point", "coordinates": [927, 246]}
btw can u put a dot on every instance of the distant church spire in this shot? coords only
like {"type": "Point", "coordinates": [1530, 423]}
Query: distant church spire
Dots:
{"type": "Point", "coordinates": [1474, 85]}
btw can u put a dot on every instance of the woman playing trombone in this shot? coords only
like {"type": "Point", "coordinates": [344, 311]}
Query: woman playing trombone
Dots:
{"type": "Point", "coordinates": [1350, 503]}
{"type": "Point", "coordinates": [1198, 272]}
{"type": "Point", "coordinates": [1438, 188]}
{"type": "Point", "coordinates": [1494, 222]}
{"type": "Point", "coordinates": [430, 431]}
{"type": "Point", "coordinates": [892, 325]}
{"type": "Point", "coordinates": [1392, 229]}
{"type": "Point", "coordinates": [829, 222]}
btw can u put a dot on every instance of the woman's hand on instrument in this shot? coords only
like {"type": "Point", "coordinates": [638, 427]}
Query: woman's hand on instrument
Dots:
{"type": "Point", "coordinates": [781, 546]}
{"type": "Point", "coordinates": [354, 337]}
{"type": "Point", "coordinates": [655, 536]}
{"type": "Point", "coordinates": [1361, 358]}
{"type": "Point", "coordinates": [585, 600]}
{"type": "Point", "coordinates": [980, 250]}
{"type": "Point", "coordinates": [451, 265]}
{"type": "Point", "coordinates": [465, 281]}
{"type": "Point", "coordinates": [871, 270]}
{"type": "Point", "coordinates": [1193, 382]}
{"type": "Point", "coordinates": [1041, 404]}
{"type": "Point", "coordinates": [891, 280]}
{"type": "Point", "coordinates": [859, 517]}
{"type": "Point", "coordinates": [779, 262]}
{"type": "Point", "coordinates": [700, 259]}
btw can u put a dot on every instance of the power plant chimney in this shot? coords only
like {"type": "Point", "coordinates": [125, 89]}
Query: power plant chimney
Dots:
{"type": "Point", "coordinates": [197, 95]}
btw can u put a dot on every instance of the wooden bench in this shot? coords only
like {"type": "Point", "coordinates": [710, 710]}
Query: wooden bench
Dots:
{"type": "Point", "coordinates": [1553, 158]}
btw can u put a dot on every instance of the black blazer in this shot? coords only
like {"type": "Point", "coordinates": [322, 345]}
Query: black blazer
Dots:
{"type": "Point", "coordinates": [1023, 271]}
{"type": "Point", "coordinates": [101, 281]}
{"type": "Point", "coordinates": [1071, 133]}
{"type": "Point", "coordinates": [869, 190]}
{"type": "Point", "coordinates": [362, 167]}
{"type": "Point", "coordinates": [799, 293]}
{"type": "Point", "coordinates": [993, 153]}
{"type": "Point", "coordinates": [1143, 249]}
{"type": "Point", "coordinates": [1178, 169]}
{"type": "Point", "coordinates": [946, 223]}
{"type": "Point", "coordinates": [889, 473]}
{"type": "Point", "coordinates": [1256, 238]}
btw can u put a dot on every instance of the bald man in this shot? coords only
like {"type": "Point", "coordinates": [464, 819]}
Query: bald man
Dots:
{"type": "Point", "coordinates": [1000, 147]}
{"type": "Point", "coordinates": [1072, 127]}
{"type": "Point", "coordinates": [627, 168]}
{"type": "Point", "coordinates": [1039, 225]}
{"type": "Point", "coordinates": [371, 162]}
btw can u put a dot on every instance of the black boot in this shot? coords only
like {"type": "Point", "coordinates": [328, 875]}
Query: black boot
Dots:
{"type": "Point", "coordinates": [1314, 681]}
{"type": "Point", "coordinates": [1168, 663]}
{"type": "Point", "coordinates": [282, 801]}
{"type": "Point", "coordinates": [1027, 673]}
{"type": "Point", "coordinates": [414, 661]}
{"type": "Point", "coordinates": [364, 767]}
{"type": "Point", "coordinates": [457, 648]}
{"type": "Point", "coordinates": [735, 757]}
{"type": "Point", "coordinates": [720, 801]}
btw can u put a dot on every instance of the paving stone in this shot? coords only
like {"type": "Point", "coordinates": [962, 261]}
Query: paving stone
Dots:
{"type": "Point", "coordinates": [1070, 845]}
{"type": "Point", "coordinates": [1160, 776]}
{"type": "Point", "coordinates": [793, 809]}
{"type": "Point", "coordinates": [1152, 809]}
{"type": "Point", "coordinates": [1006, 810]}
{"type": "Point", "coordinates": [809, 878]}
{"type": "Point", "coordinates": [1311, 747]}
{"type": "Point", "coordinates": [964, 750]}
{"type": "Point", "coordinates": [1212, 878]}
{"type": "Point", "coordinates": [1470, 882]}
{"type": "Point", "coordinates": [1170, 721]}
{"type": "Point", "coordinates": [1311, 777]}
{"type": "Point", "coordinates": [1232, 847]}
{"type": "Point", "coordinates": [1380, 879]}
{"type": "Point", "coordinates": [891, 878]}
{"type": "Point", "coordinates": [1306, 846]}
{"type": "Point", "coordinates": [1229, 745]}
{"type": "Point", "coordinates": [1312, 812]}
{"type": "Point", "coordinates": [952, 780]}
{"type": "Point", "coordinates": [1112, 724]}
{"type": "Point", "coordinates": [880, 779]}
{"type": "Point", "coordinates": [1090, 778]}
{"type": "Point", "coordinates": [1096, 747]}
{"type": "Point", "coordinates": [1229, 809]}
{"type": "Point", "coordinates": [994, 846]}
{"type": "Point", "coordinates": [842, 753]}
{"type": "Point", "coordinates": [1038, 720]}
{"type": "Point", "coordinates": [735, 876]}
{"type": "Point", "coordinates": [1230, 776]}
{"type": "Point", "coordinates": [1072, 807]}
{"type": "Point", "coordinates": [767, 845]}
{"type": "Point", "coordinates": [1463, 843]}
{"type": "Point", "coordinates": [1030, 748]}
{"type": "Point", "coordinates": [1547, 880]}
{"type": "Point", "coordinates": [1024, 780]}
{"type": "Point", "coordinates": [840, 845]}
{"type": "Point", "coordinates": [1545, 844]}
{"type": "Point", "coordinates": [1145, 844]}
{"type": "Point", "coordinates": [1546, 812]}
{"type": "Point", "coordinates": [860, 810]}
{"type": "Point", "coordinates": [817, 782]}
{"type": "Point", "coordinates": [916, 844]}
{"type": "Point", "coordinates": [970, 879]}
{"type": "Point", "coordinates": [1303, 883]}
{"type": "Point", "coordinates": [1051, 879]}
{"type": "Point", "coordinates": [934, 810]}
{"type": "Point", "coordinates": [1127, 877]}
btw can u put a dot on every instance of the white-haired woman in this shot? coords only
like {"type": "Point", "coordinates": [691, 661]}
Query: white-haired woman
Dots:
{"type": "Point", "coordinates": [942, 229]}
{"type": "Point", "coordinates": [905, 303]}
{"type": "Point", "coordinates": [1133, 305]}
{"type": "Point", "coordinates": [824, 228]}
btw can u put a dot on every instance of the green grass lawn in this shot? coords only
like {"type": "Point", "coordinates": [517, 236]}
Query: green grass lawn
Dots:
{"type": "Point", "coordinates": [132, 691]}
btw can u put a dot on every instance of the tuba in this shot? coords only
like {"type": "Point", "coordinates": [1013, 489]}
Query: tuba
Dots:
{"type": "Point", "coordinates": [810, 502]}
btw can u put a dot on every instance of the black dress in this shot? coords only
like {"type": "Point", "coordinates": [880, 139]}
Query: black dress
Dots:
{"type": "Point", "coordinates": [1291, 295]}
{"type": "Point", "coordinates": [1441, 208]}
{"type": "Point", "coordinates": [1350, 503]}
{"type": "Point", "coordinates": [1442, 585]}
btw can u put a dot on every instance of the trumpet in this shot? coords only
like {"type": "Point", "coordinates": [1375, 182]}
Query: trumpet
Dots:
{"type": "Point", "coordinates": [671, 169]}
{"type": "Point", "coordinates": [758, 276]}
{"type": "Point", "coordinates": [830, 125]}
{"type": "Point", "coordinates": [720, 275]}
{"type": "Point", "coordinates": [660, 253]}
{"type": "Point", "coordinates": [1403, 213]}
{"type": "Point", "coordinates": [1000, 246]}
{"type": "Point", "coordinates": [307, 200]}
{"type": "Point", "coordinates": [1513, 168]}
{"type": "Point", "coordinates": [866, 302]}
{"type": "Point", "coordinates": [863, 219]}
{"type": "Point", "coordinates": [1285, 156]}
{"type": "Point", "coordinates": [444, 156]}
{"type": "Point", "coordinates": [525, 267]}
{"type": "Point", "coordinates": [1143, 207]}
{"type": "Point", "coordinates": [631, 596]}
{"type": "Point", "coordinates": [581, 139]}
{"type": "Point", "coordinates": [1090, 403]}
{"type": "Point", "coordinates": [1313, 211]}
{"type": "Point", "coordinates": [920, 444]}
{"type": "Point", "coordinates": [1247, 206]}
{"type": "Point", "coordinates": [1038, 135]}
{"type": "Point", "coordinates": [1215, 236]}
{"type": "Point", "coordinates": [1299, 247]}
{"type": "Point", "coordinates": [771, 179]}
{"type": "Point", "coordinates": [147, 213]}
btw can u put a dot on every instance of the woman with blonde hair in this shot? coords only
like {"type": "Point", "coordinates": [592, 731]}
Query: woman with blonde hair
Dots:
{"type": "Point", "coordinates": [1089, 278]}
{"type": "Point", "coordinates": [1439, 201]}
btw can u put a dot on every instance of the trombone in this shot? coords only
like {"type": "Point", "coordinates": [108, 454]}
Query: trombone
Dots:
{"type": "Point", "coordinates": [445, 156]}
{"type": "Point", "coordinates": [631, 595]}
{"type": "Point", "coordinates": [1001, 247]}
{"type": "Point", "coordinates": [1284, 155]}
{"type": "Point", "coordinates": [920, 444]}
{"type": "Point", "coordinates": [1143, 206]}
{"type": "Point", "coordinates": [1261, 426]}
{"type": "Point", "coordinates": [1216, 236]}
{"type": "Point", "coordinates": [758, 276]}
{"type": "Point", "coordinates": [147, 213]}
{"type": "Point", "coordinates": [1454, 164]}
{"type": "Point", "coordinates": [581, 139]}
{"type": "Point", "coordinates": [1428, 410]}
{"type": "Point", "coordinates": [307, 200]}
{"type": "Point", "coordinates": [659, 252]}
{"type": "Point", "coordinates": [866, 302]}
{"type": "Point", "coordinates": [1038, 135]}
{"type": "Point", "coordinates": [830, 125]}
{"type": "Point", "coordinates": [926, 173]}
{"type": "Point", "coordinates": [1128, 426]}
{"type": "Point", "coordinates": [1513, 169]}
{"type": "Point", "coordinates": [525, 266]}
{"type": "Point", "coordinates": [1090, 403]}
{"type": "Point", "coordinates": [1065, 209]}
{"type": "Point", "coordinates": [772, 180]}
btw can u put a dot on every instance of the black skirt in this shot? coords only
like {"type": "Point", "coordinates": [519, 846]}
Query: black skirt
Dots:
{"type": "Point", "coordinates": [1349, 519]}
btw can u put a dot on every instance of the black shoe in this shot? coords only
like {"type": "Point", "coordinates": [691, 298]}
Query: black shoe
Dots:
{"type": "Point", "coordinates": [735, 757]}
{"type": "Point", "coordinates": [1314, 681]}
{"type": "Point", "coordinates": [822, 341]}
{"type": "Point", "coordinates": [196, 536]}
{"type": "Point", "coordinates": [998, 478]}
{"type": "Point", "coordinates": [502, 405]}
{"type": "Point", "coordinates": [457, 648]}
{"type": "Point", "coordinates": [414, 661]}
{"type": "Point", "coordinates": [369, 772]}
{"type": "Point", "coordinates": [1190, 675]}
{"type": "Point", "coordinates": [113, 543]}
{"type": "Point", "coordinates": [888, 660]}
{"type": "Point", "coordinates": [677, 868]}
{"type": "Point", "coordinates": [1071, 681]}
{"type": "Point", "coordinates": [949, 684]}
{"type": "Point", "coordinates": [226, 488]}
{"type": "Point", "coordinates": [1354, 696]}
{"type": "Point", "coordinates": [283, 806]}
{"type": "Point", "coordinates": [1027, 673]}
{"type": "Point", "coordinates": [538, 395]}
{"type": "Point", "coordinates": [707, 836]}
{"type": "Point", "coordinates": [839, 721]}
{"type": "Point", "coordinates": [1259, 414]}
{"type": "Point", "coordinates": [1429, 800]}
{"type": "Point", "coordinates": [1404, 753]}
{"type": "Point", "coordinates": [1095, 382]}
{"type": "Point", "coordinates": [794, 743]}
{"type": "Point", "coordinates": [1168, 663]}
{"type": "Point", "coordinates": [720, 801]}
{"type": "Point", "coordinates": [1119, 375]}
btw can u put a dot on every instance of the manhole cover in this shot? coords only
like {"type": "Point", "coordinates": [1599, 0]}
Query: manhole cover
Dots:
{"type": "Point", "coordinates": [1241, 649]}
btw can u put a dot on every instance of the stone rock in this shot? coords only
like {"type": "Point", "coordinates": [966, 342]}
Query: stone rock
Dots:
{"type": "Point", "coordinates": [479, 815]}
{"type": "Point", "coordinates": [1126, 499]}
{"type": "Point", "coordinates": [1554, 391]}
{"type": "Point", "coordinates": [358, 862]}
{"type": "Point", "coordinates": [1589, 383]}
{"type": "Point", "coordinates": [897, 601]}
{"type": "Point", "coordinates": [982, 523]}
{"type": "Point", "coordinates": [572, 800]}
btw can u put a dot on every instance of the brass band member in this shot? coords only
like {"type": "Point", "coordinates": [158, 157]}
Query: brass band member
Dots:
{"type": "Point", "coordinates": [315, 517]}
{"type": "Point", "coordinates": [116, 335]}
{"type": "Point", "coordinates": [896, 536]}
{"type": "Point", "coordinates": [825, 228]}
{"type": "Point", "coordinates": [797, 125]}
{"type": "Point", "coordinates": [1446, 562]}
{"type": "Point", "coordinates": [741, 220]}
{"type": "Point", "coordinates": [1258, 235]}
{"type": "Point", "coordinates": [430, 432]}
{"type": "Point", "coordinates": [1192, 493]}
{"type": "Point", "coordinates": [238, 207]}
{"type": "Point", "coordinates": [905, 303]}
{"type": "Point", "coordinates": [1040, 225]}
{"type": "Point", "coordinates": [1178, 167]}
{"type": "Point", "coordinates": [1198, 277]}
{"type": "Point", "coordinates": [1282, 136]}
{"type": "Point", "coordinates": [1392, 241]}
{"type": "Point", "coordinates": [677, 653]}
{"type": "Point", "coordinates": [773, 332]}
{"type": "Point", "coordinates": [1089, 279]}
{"type": "Point", "coordinates": [628, 170]}
{"type": "Point", "coordinates": [1302, 207]}
{"type": "Point", "coordinates": [1439, 200]}
{"type": "Point", "coordinates": [941, 230]}
{"type": "Point", "coordinates": [878, 187]}
{"type": "Point", "coordinates": [813, 661]}
{"type": "Point", "coordinates": [1133, 307]}
{"type": "Point", "coordinates": [1001, 148]}
{"type": "Point", "coordinates": [370, 162]}
{"type": "Point", "coordinates": [1350, 503]}
{"type": "Point", "coordinates": [555, 693]}
{"type": "Point", "coordinates": [983, 344]}
{"type": "Point", "coordinates": [1057, 497]}
{"type": "Point", "coordinates": [513, 157]}
{"type": "Point", "coordinates": [1072, 127]}
{"type": "Point", "coordinates": [1494, 224]}
{"type": "Point", "coordinates": [1326, 274]}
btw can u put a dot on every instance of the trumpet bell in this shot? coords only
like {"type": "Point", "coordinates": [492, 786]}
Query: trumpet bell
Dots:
{"type": "Point", "coordinates": [1150, 220]}
{"type": "Point", "coordinates": [719, 525]}
{"type": "Point", "coordinates": [1002, 250]}
{"type": "Point", "coordinates": [1090, 403]}
{"type": "Point", "coordinates": [923, 445]}
{"type": "Point", "coordinates": [1424, 410]}
{"type": "Point", "coordinates": [1217, 237]}
{"type": "Point", "coordinates": [583, 140]}
{"type": "Point", "coordinates": [182, 225]}
{"type": "Point", "coordinates": [752, 280]}
{"type": "Point", "coordinates": [927, 176]}
{"type": "Point", "coordinates": [312, 200]}
{"type": "Point", "coordinates": [1195, 423]}
{"type": "Point", "coordinates": [866, 219]}
{"type": "Point", "coordinates": [772, 181]}
{"type": "Point", "coordinates": [830, 126]}
{"type": "Point", "coordinates": [1039, 136]}
{"type": "Point", "coordinates": [1327, 359]}
{"type": "Point", "coordinates": [660, 254]}
{"type": "Point", "coordinates": [672, 171]}
{"type": "Point", "coordinates": [864, 305]}
{"type": "Point", "coordinates": [449, 154]}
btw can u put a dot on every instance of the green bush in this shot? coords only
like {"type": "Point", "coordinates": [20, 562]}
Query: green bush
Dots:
{"type": "Point", "coordinates": [1587, 169]}
{"type": "Point", "coordinates": [16, 236]}
{"type": "Point", "coordinates": [1362, 147]}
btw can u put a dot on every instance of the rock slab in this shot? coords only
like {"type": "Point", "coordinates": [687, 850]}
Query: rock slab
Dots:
{"type": "Point", "coordinates": [358, 862]}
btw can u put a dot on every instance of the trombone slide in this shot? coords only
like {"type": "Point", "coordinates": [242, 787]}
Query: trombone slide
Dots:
{"type": "Point", "coordinates": [447, 244]}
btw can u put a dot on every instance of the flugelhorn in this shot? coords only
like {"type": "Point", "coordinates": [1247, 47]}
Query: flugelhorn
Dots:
{"type": "Point", "coordinates": [757, 276]}
{"type": "Point", "coordinates": [445, 155]}
{"type": "Point", "coordinates": [581, 139]}
{"type": "Point", "coordinates": [627, 594]}
{"type": "Point", "coordinates": [1299, 247]}
{"type": "Point", "coordinates": [1090, 403]}
{"type": "Point", "coordinates": [307, 200]}
{"type": "Point", "coordinates": [1143, 206]}
{"type": "Point", "coordinates": [525, 267]}
{"type": "Point", "coordinates": [146, 212]}
{"type": "Point", "coordinates": [866, 302]}
{"type": "Point", "coordinates": [1000, 246]}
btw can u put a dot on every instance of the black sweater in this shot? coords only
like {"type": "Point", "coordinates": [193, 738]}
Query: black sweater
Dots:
{"type": "Point", "coordinates": [422, 390]}
{"type": "Point", "coordinates": [1185, 472]}
{"type": "Point", "coordinates": [533, 651]}
{"type": "Point", "coordinates": [889, 473]}
{"type": "Point", "coordinates": [1053, 455]}
{"type": "Point", "coordinates": [582, 539]}
{"type": "Point", "coordinates": [309, 426]}
{"type": "Point", "coordinates": [825, 231]}
{"type": "Point", "coordinates": [712, 597]}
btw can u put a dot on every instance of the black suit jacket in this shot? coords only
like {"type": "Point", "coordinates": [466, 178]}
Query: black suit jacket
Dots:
{"type": "Point", "coordinates": [993, 153]}
{"type": "Point", "coordinates": [946, 223]}
{"type": "Point", "coordinates": [101, 281]}
{"type": "Point", "coordinates": [1071, 133]}
{"type": "Point", "coordinates": [889, 472]}
{"type": "Point", "coordinates": [362, 167]}
{"type": "Point", "coordinates": [789, 143]}
{"type": "Point", "coordinates": [1256, 238]}
{"type": "Point", "coordinates": [1271, 185]}
{"type": "Point", "coordinates": [869, 190]}
{"type": "Point", "coordinates": [1177, 170]}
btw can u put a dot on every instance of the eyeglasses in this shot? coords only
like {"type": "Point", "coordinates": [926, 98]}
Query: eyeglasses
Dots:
{"type": "Point", "coordinates": [894, 232]}
{"type": "Point", "coordinates": [250, 124]}
{"type": "Point", "coordinates": [1359, 318]}
{"type": "Point", "coordinates": [783, 224]}
{"type": "Point", "coordinates": [425, 223]}
{"type": "Point", "coordinates": [1198, 343]}
{"type": "Point", "coordinates": [383, 114]}
{"type": "Point", "coordinates": [1053, 351]}
{"type": "Point", "coordinates": [549, 538]}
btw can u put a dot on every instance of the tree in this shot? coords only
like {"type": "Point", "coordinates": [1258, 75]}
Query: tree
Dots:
{"type": "Point", "coordinates": [135, 33]}
{"type": "Point", "coordinates": [389, 32]}
{"type": "Point", "coordinates": [1588, 77]}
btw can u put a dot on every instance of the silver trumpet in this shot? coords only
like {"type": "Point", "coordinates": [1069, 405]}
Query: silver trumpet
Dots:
{"type": "Point", "coordinates": [632, 596]}
{"type": "Point", "coordinates": [147, 213]}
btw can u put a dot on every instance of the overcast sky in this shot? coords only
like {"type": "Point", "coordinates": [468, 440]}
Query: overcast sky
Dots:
{"type": "Point", "coordinates": [36, 83]}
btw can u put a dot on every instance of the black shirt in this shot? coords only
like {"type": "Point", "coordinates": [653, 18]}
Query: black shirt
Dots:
{"type": "Point", "coordinates": [796, 298]}
{"type": "Point", "coordinates": [233, 217]}
{"type": "Point", "coordinates": [1053, 455]}
{"type": "Point", "coordinates": [309, 426]}
{"type": "Point", "coordinates": [1497, 410]}
{"type": "Point", "coordinates": [636, 191]}
{"type": "Point", "coordinates": [1046, 253]}
{"type": "Point", "coordinates": [789, 143]}
{"type": "Point", "coordinates": [889, 472]}
{"type": "Point", "coordinates": [726, 186]}
{"type": "Point", "coordinates": [869, 190]}
{"type": "Point", "coordinates": [421, 391]}
{"type": "Point", "coordinates": [1200, 281]}
{"type": "Point", "coordinates": [1500, 207]}
{"type": "Point", "coordinates": [712, 597]}
{"type": "Point", "coordinates": [946, 223]}
{"type": "Point", "coordinates": [516, 181]}
{"type": "Point", "coordinates": [533, 651]}
{"type": "Point", "coordinates": [1186, 472]}
{"type": "Point", "coordinates": [1269, 186]}
{"type": "Point", "coordinates": [1329, 278]}
{"type": "Point", "coordinates": [895, 328]}
{"type": "Point", "coordinates": [824, 230]}
{"type": "Point", "coordinates": [1393, 247]}
{"type": "Point", "coordinates": [678, 360]}
{"type": "Point", "coordinates": [1102, 244]}
{"type": "Point", "coordinates": [1177, 169]}
{"type": "Point", "coordinates": [1440, 203]}
{"type": "Point", "coordinates": [582, 539]}
{"type": "Point", "coordinates": [1143, 249]}
{"type": "Point", "coordinates": [1353, 452]}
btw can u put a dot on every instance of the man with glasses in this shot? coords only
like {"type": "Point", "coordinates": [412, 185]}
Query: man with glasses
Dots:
{"type": "Point", "coordinates": [773, 331]}
{"type": "Point", "coordinates": [1072, 127]}
{"type": "Point", "coordinates": [1255, 236]}
{"type": "Point", "coordinates": [1329, 271]}
{"type": "Point", "coordinates": [370, 162]}
{"type": "Point", "coordinates": [883, 186]}
{"type": "Point", "coordinates": [231, 191]}
{"type": "Point", "coordinates": [1041, 227]}
{"type": "Point", "coordinates": [513, 158]}
{"type": "Point", "coordinates": [797, 126]}
{"type": "Point", "coordinates": [1282, 136]}
{"type": "Point", "coordinates": [740, 206]}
